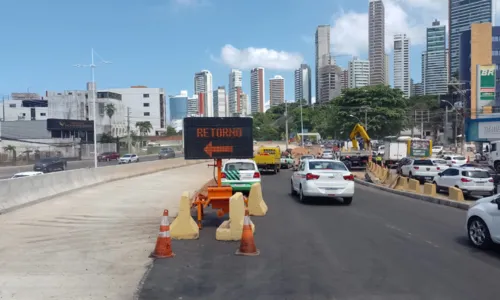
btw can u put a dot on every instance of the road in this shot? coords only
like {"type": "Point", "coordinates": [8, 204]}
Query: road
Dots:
{"type": "Point", "coordinates": [7, 172]}
{"type": "Point", "coordinates": [383, 246]}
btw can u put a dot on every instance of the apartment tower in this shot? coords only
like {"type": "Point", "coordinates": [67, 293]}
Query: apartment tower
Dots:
{"type": "Point", "coordinates": [376, 42]}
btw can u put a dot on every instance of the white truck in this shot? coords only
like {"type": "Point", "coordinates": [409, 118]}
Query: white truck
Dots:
{"type": "Point", "coordinates": [494, 155]}
{"type": "Point", "coordinates": [395, 149]}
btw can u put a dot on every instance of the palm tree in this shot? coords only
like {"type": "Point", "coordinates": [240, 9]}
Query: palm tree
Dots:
{"type": "Point", "coordinates": [10, 148]}
{"type": "Point", "coordinates": [144, 128]}
{"type": "Point", "coordinates": [110, 110]}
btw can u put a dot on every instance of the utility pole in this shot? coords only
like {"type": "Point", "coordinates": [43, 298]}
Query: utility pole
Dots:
{"type": "Point", "coordinates": [456, 129]}
{"type": "Point", "coordinates": [413, 119]}
{"type": "Point", "coordinates": [3, 109]}
{"type": "Point", "coordinates": [286, 125]}
{"type": "Point", "coordinates": [366, 119]}
{"type": "Point", "coordinates": [446, 134]}
{"type": "Point", "coordinates": [301, 124]}
{"type": "Point", "coordinates": [128, 131]}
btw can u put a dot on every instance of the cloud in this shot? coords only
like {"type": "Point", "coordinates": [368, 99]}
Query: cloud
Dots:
{"type": "Point", "coordinates": [401, 16]}
{"type": "Point", "coordinates": [249, 58]}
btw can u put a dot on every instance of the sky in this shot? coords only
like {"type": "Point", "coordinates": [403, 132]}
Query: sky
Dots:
{"type": "Point", "coordinates": [162, 43]}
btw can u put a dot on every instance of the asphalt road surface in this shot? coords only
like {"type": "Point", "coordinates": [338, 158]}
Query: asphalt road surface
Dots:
{"type": "Point", "coordinates": [383, 246]}
{"type": "Point", "coordinates": [8, 172]}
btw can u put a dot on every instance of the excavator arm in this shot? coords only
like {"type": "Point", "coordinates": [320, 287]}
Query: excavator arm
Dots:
{"type": "Point", "coordinates": [359, 130]}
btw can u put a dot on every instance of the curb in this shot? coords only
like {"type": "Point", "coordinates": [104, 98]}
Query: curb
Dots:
{"type": "Point", "coordinates": [450, 203]}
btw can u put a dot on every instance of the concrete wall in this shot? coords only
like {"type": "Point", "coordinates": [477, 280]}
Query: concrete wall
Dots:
{"type": "Point", "coordinates": [15, 193]}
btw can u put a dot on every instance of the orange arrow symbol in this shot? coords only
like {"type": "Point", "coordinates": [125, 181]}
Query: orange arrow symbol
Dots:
{"type": "Point", "coordinates": [209, 149]}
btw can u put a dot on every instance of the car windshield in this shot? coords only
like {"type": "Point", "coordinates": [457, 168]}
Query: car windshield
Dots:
{"type": "Point", "coordinates": [127, 155]}
{"type": "Point", "coordinates": [327, 152]}
{"type": "Point", "coordinates": [240, 166]}
{"type": "Point", "coordinates": [476, 174]}
{"type": "Point", "coordinates": [19, 176]}
{"type": "Point", "coordinates": [458, 158]}
{"type": "Point", "coordinates": [439, 161]}
{"type": "Point", "coordinates": [327, 165]}
{"type": "Point", "coordinates": [46, 160]}
{"type": "Point", "coordinates": [423, 162]}
{"type": "Point", "coordinates": [306, 157]}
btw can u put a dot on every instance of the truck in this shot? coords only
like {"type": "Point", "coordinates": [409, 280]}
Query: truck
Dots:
{"type": "Point", "coordinates": [286, 161]}
{"type": "Point", "coordinates": [357, 157]}
{"type": "Point", "coordinates": [395, 149]}
{"type": "Point", "coordinates": [268, 159]}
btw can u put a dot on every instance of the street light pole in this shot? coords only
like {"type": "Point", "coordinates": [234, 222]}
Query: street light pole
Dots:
{"type": "Point", "coordinates": [286, 125]}
{"type": "Point", "coordinates": [92, 67]}
{"type": "Point", "coordinates": [301, 123]}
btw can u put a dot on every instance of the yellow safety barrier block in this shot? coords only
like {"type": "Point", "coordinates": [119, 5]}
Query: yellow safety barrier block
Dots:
{"type": "Point", "coordinates": [455, 194]}
{"type": "Point", "coordinates": [430, 189]}
{"type": "Point", "coordinates": [256, 204]}
{"type": "Point", "coordinates": [184, 227]}
{"type": "Point", "coordinates": [401, 183]}
{"type": "Point", "coordinates": [232, 229]}
{"type": "Point", "coordinates": [414, 186]}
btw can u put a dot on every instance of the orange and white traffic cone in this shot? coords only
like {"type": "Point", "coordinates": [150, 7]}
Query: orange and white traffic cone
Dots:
{"type": "Point", "coordinates": [247, 244]}
{"type": "Point", "coordinates": [163, 248]}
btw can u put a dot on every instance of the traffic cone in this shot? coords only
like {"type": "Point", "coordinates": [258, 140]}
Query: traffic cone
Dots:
{"type": "Point", "coordinates": [163, 248]}
{"type": "Point", "coordinates": [247, 244]}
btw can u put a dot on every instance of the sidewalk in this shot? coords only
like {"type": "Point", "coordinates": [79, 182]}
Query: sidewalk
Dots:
{"type": "Point", "coordinates": [93, 243]}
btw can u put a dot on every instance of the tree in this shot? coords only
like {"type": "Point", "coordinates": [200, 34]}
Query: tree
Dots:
{"type": "Point", "coordinates": [144, 128]}
{"type": "Point", "coordinates": [170, 131]}
{"type": "Point", "coordinates": [110, 110]}
{"type": "Point", "coordinates": [386, 110]}
{"type": "Point", "coordinates": [11, 148]}
{"type": "Point", "coordinates": [107, 138]}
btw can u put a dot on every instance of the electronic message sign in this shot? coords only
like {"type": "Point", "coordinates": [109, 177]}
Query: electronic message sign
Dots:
{"type": "Point", "coordinates": [218, 138]}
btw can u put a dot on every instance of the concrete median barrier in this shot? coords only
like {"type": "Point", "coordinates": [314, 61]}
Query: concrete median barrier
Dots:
{"type": "Point", "coordinates": [401, 183]}
{"type": "Point", "coordinates": [184, 227]}
{"type": "Point", "coordinates": [231, 230]}
{"type": "Point", "coordinates": [455, 194]}
{"type": "Point", "coordinates": [15, 193]}
{"type": "Point", "coordinates": [430, 189]}
{"type": "Point", "coordinates": [256, 204]}
{"type": "Point", "coordinates": [414, 186]}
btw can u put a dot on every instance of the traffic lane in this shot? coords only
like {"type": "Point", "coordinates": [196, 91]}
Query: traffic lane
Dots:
{"type": "Point", "coordinates": [383, 246]}
{"type": "Point", "coordinates": [6, 173]}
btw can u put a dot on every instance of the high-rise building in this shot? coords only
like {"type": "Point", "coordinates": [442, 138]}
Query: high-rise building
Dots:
{"type": "Point", "coordinates": [419, 89]}
{"type": "Point", "coordinates": [322, 53]}
{"type": "Point", "coordinates": [387, 69]}
{"type": "Point", "coordinates": [244, 104]}
{"type": "Point", "coordinates": [402, 79]}
{"type": "Point", "coordinates": [235, 85]}
{"type": "Point", "coordinates": [344, 79]}
{"type": "Point", "coordinates": [422, 68]}
{"type": "Point", "coordinates": [359, 73]}
{"type": "Point", "coordinates": [461, 14]}
{"type": "Point", "coordinates": [257, 90]}
{"type": "Point", "coordinates": [376, 42]}
{"type": "Point", "coordinates": [178, 106]}
{"type": "Point", "coordinates": [220, 102]}
{"type": "Point", "coordinates": [329, 78]}
{"type": "Point", "coordinates": [303, 84]}
{"type": "Point", "coordinates": [203, 84]}
{"type": "Point", "coordinates": [276, 90]}
{"type": "Point", "coordinates": [192, 103]}
{"type": "Point", "coordinates": [435, 76]}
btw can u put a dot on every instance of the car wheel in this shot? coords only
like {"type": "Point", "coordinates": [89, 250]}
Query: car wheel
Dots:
{"type": "Point", "coordinates": [293, 192]}
{"type": "Point", "coordinates": [478, 233]}
{"type": "Point", "coordinates": [347, 200]}
{"type": "Point", "coordinates": [302, 198]}
{"type": "Point", "coordinates": [438, 189]}
{"type": "Point", "coordinates": [137, 160]}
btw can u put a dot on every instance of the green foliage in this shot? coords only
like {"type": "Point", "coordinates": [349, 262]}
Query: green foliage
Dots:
{"type": "Point", "coordinates": [170, 131]}
{"type": "Point", "coordinates": [107, 138]}
{"type": "Point", "coordinates": [144, 127]}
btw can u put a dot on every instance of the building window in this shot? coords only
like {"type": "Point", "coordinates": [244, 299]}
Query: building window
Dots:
{"type": "Point", "coordinates": [145, 104]}
{"type": "Point", "coordinates": [146, 114]}
{"type": "Point", "coordinates": [42, 114]}
{"type": "Point", "coordinates": [145, 96]}
{"type": "Point", "coordinates": [12, 105]}
{"type": "Point", "coordinates": [24, 114]}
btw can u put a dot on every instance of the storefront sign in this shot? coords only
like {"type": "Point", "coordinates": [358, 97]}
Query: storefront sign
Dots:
{"type": "Point", "coordinates": [486, 79]}
{"type": "Point", "coordinates": [489, 130]}
{"type": "Point", "coordinates": [74, 125]}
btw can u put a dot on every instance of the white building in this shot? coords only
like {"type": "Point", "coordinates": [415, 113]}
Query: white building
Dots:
{"type": "Point", "coordinates": [276, 90]}
{"type": "Point", "coordinates": [146, 104]}
{"type": "Point", "coordinates": [78, 105]}
{"type": "Point", "coordinates": [302, 80]}
{"type": "Point", "coordinates": [220, 102]}
{"type": "Point", "coordinates": [358, 73]}
{"type": "Point", "coordinates": [244, 104]}
{"type": "Point", "coordinates": [235, 85]}
{"type": "Point", "coordinates": [27, 110]}
{"type": "Point", "coordinates": [322, 55]}
{"type": "Point", "coordinates": [257, 90]}
{"type": "Point", "coordinates": [203, 85]}
{"type": "Point", "coordinates": [402, 79]}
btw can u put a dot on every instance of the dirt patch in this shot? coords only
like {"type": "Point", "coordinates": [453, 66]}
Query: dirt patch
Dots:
{"type": "Point", "coordinates": [299, 151]}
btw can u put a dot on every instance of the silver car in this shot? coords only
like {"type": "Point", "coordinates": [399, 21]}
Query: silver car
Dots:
{"type": "Point", "coordinates": [327, 154]}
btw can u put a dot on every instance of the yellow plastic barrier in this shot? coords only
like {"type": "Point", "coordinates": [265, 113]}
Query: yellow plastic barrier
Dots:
{"type": "Point", "coordinates": [184, 227]}
{"type": "Point", "coordinates": [231, 230]}
{"type": "Point", "coordinates": [455, 194]}
{"type": "Point", "coordinates": [401, 183]}
{"type": "Point", "coordinates": [414, 186]}
{"type": "Point", "coordinates": [256, 204]}
{"type": "Point", "coordinates": [430, 189]}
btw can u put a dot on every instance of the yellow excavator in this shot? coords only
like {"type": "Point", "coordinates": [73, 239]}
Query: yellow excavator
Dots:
{"type": "Point", "coordinates": [356, 158]}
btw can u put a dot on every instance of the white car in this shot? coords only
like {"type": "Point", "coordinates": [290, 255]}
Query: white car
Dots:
{"type": "Point", "coordinates": [483, 222]}
{"type": "Point", "coordinates": [240, 174]}
{"type": "Point", "coordinates": [420, 169]}
{"type": "Point", "coordinates": [437, 149]}
{"type": "Point", "coordinates": [469, 180]}
{"type": "Point", "coordinates": [323, 178]}
{"type": "Point", "coordinates": [128, 158]}
{"type": "Point", "coordinates": [441, 163]}
{"type": "Point", "coordinates": [26, 174]}
{"type": "Point", "coordinates": [455, 160]}
{"type": "Point", "coordinates": [327, 154]}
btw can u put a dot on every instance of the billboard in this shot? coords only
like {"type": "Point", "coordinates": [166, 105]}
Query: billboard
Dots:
{"type": "Point", "coordinates": [486, 79]}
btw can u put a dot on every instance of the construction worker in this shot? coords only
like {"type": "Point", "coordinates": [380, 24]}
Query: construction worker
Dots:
{"type": "Point", "coordinates": [379, 159]}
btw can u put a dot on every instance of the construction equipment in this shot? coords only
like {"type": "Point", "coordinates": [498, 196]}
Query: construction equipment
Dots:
{"type": "Point", "coordinates": [357, 158]}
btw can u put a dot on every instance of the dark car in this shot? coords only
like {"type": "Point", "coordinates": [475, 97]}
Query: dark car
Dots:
{"type": "Point", "coordinates": [50, 164]}
{"type": "Point", "coordinates": [107, 156]}
{"type": "Point", "coordinates": [166, 153]}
